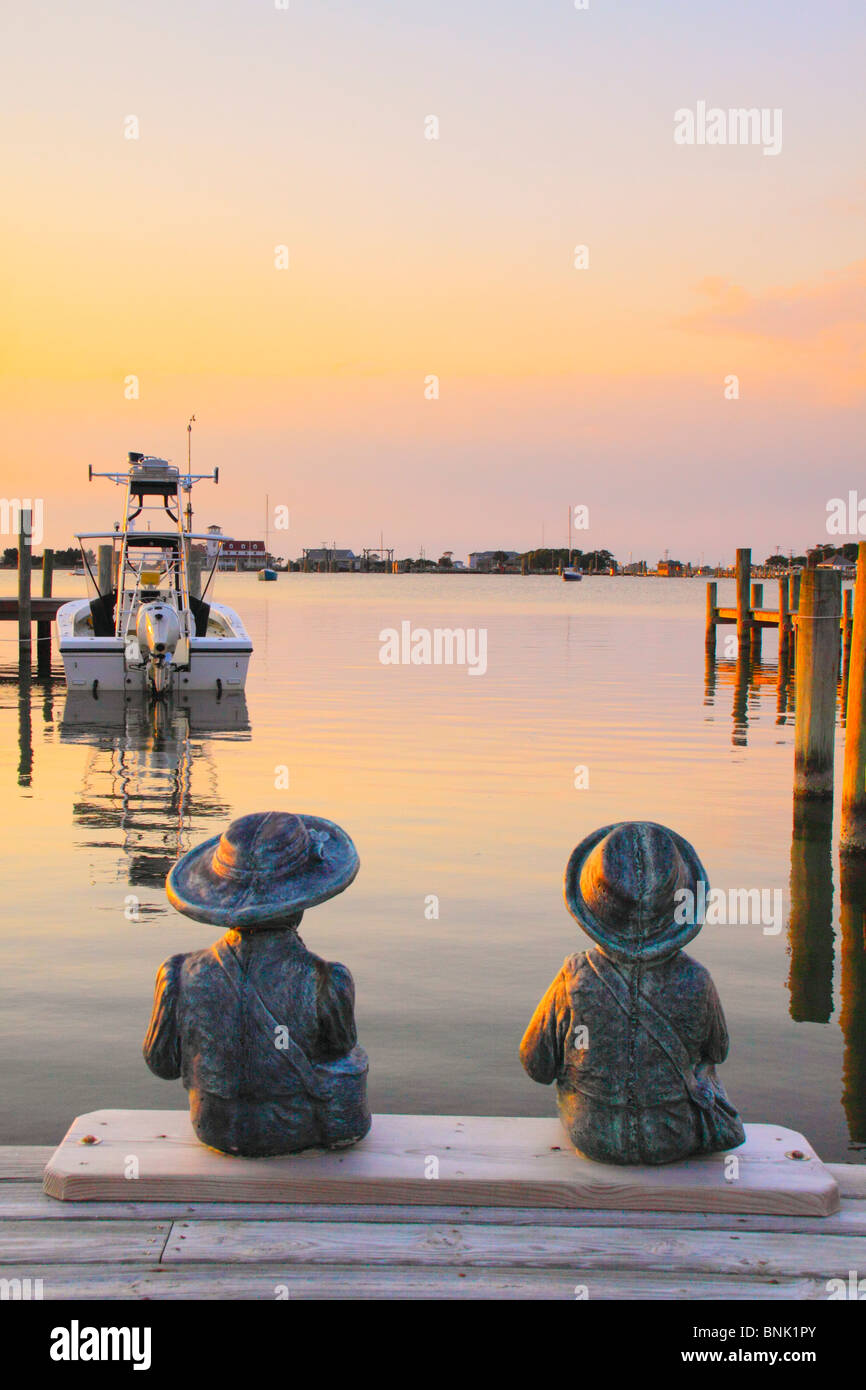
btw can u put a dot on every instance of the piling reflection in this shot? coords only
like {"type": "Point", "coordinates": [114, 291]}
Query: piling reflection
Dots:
{"type": "Point", "coordinates": [784, 691]}
{"type": "Point", "coordinates": [810, 927]}
{"type": "Point", "coordinates": [852, 882]}
{"type": "Point", "coordinates": [751, 682]}
{"type": "Point", "coordinates": [710, 677]}
{"type": "Point", "coordinates": [150, 785]}
{"type": "Point", "coordinates": [742, 678]}
{"type": "Point", "coordinates": [25, 730]}
{"type": "Point", "coordinates": [27, 689]}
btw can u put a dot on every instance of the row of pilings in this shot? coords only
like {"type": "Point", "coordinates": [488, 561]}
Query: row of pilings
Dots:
{"type": "Point", "coordinates": [824, 636]}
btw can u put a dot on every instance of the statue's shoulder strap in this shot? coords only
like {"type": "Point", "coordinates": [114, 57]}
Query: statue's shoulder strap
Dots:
{"type": "Point", "coordinates": [660, 1030]}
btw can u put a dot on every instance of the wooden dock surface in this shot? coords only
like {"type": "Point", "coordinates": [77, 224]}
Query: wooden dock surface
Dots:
{"type": "Point", "coordinates": [209, 1250]}
{"type": "Point", "coordinates": [42, 610]}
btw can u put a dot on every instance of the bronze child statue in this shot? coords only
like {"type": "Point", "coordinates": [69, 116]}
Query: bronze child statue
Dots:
{"type": "Point", "coordinates": [632, 1029]}
{"type": "Point", "coordinates": [261, 1030]}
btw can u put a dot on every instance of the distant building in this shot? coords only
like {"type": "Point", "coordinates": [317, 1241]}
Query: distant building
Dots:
{"type": "Point", "coordinates": [483, 559]}
{"type": "Point", "coordinates": [670, 567]}
{"type": "Point", "coordinates": [329, 558]}
{"type": "Point", "coordinates": [836, 562]}
{"type": "Point", "coordinates": [235, 555]}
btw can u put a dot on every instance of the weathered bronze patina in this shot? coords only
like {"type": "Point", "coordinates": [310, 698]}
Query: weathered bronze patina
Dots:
{"type": "Point", "coordinates": [632, 1029]}
{"type": "Point", "coordinates": [261, 1030]}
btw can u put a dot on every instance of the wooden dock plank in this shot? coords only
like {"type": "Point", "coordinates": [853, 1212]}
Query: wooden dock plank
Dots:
{"type": "Point", "coordinates": [64, 1242]}
{"type": "Point", "coordinates": [27, 1201]}
{"type": "Point", "coordinates": [479, 1161]}
{"type": "Point", "coordinates": [583, 1250]}
{"type": "Point", "coordinates": [761, 617]}
{"type": "Point", "coordinates": [41, 609]}
{"type": "Point", "coordinates": [235, 1282]}
{"type": "Point", "coordinates": [850, 1179]}
{"type": "Point", "coordinates": [24, 1162]}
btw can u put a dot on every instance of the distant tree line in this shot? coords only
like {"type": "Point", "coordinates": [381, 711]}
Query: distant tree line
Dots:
{"type": "Point", "coordinates": [589, 561]}
{"type": "Point", "coordinates": [63, 559]}
{"type": "Point", "coordinates": [823, 552]}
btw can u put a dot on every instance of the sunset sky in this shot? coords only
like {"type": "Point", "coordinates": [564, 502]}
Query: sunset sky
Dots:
{"type": "Point", "coordinates": [409, 257]}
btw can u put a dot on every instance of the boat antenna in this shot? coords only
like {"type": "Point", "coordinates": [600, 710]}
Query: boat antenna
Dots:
{"type": "Point", "coordinates": [189, 426]}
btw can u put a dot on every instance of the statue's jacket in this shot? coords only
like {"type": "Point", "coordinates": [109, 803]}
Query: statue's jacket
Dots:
{"type": "Point", "coordinates": [633, 1047]}
{"type": "Point", "coordinates": [262, 1031]}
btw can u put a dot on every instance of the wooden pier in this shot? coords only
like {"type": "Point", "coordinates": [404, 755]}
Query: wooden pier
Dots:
{"type": "Point", "coordinates": [219, 1250]}
{"type": "Point", "coordinates": [824, 633]}
{"type": "Point", "coordinates": [27, 609]}
{"type": "Point", "coordinates": [176, 1249]}
{"type": "Point", "coordinates": [42, 610]}
{"type": "Point", "coordinates": [750, 617]}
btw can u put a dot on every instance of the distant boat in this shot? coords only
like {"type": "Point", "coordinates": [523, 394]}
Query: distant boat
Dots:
{"type": "Point", "coordinates": [267, 573]}
{"type": "Point", "coordinates": [569, 573]}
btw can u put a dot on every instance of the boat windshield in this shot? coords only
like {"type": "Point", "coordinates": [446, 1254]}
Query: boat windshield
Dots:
{"type": "Point", "coordinates": [142, 566]}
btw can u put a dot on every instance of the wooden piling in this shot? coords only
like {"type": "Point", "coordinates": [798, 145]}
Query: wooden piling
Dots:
{"type": "Point", "coordinates": [793, 605]}
{"type": "Point", "coordinates": [755, 635]}
{"type": "Point", "coordinates": [25, 525]}
{"type": "Point", "coordinates": [784, 621]}
{"type": "Point", "coordinates": [816, 679]}
{"type": "Point", "coordinates": [106, 569]}
{"type": "Point", "coordinates": [712, 604]}
{"type": "Point", "coordinates": [847, 622]}
{"type": "Point", "coordinates": [744, 614]}
{"type": "Point", "coordinates": [43, 627]}
{"type": "Point", "coordinates": [853, 832]}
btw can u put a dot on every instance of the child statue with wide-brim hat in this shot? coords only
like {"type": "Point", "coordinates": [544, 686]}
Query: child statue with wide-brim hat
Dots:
{"type": "Point", "coordinates": [632, 1029]}
{"type": "Point", "coordinates": [261, 1030]}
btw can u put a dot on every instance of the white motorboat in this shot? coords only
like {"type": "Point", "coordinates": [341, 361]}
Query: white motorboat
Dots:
{"type": "Point", "coordinates": [146, 630]}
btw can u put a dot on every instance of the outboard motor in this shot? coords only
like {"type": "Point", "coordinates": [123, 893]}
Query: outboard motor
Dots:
{"type": "Point", "coordinates": [158, 631]}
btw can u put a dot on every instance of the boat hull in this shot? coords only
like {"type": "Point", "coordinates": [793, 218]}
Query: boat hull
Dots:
{"type": "Point", "coordinates": [215, 663]}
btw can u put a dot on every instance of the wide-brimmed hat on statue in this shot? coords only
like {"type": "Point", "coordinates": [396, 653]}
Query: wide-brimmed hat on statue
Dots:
{"type": "Point", "coordinates": [624, 884]}
{"type": "Point", "coordinates": [262, 869]}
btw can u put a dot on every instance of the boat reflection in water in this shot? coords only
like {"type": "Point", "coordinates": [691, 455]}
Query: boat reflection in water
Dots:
{"type": "Point", "coordinates": [150, 784]}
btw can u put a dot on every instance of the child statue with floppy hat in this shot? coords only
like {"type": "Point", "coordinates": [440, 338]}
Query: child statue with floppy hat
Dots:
{"type": "Point", "coordinates": [632, 1030]}
{"type": "Point", "coordinates": [261, 1030]}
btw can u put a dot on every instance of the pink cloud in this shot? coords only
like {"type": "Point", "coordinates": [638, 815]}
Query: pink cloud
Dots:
{"type": "Point", "coordinates": [804, 313]}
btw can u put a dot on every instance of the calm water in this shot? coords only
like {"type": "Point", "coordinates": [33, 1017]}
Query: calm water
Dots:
{"type": "Point", "coordinates": [451, 785]}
